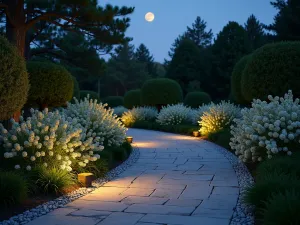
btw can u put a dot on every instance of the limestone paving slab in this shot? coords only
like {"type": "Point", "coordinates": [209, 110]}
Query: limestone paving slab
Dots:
{"type": "Point", "coordinates": [178, 180]}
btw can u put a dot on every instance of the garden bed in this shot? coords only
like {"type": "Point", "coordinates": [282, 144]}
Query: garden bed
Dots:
{"type": "Point", "coordinates": [41, 205]}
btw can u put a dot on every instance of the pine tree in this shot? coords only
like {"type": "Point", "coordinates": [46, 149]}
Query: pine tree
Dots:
{"type": "Point", "coordinates": [255, 32]}
{"type": "Point", "coordinates": [25, 16]}
{"type": "Point", "coordinates": [286, 23]}
{"type": "Point", "coordinates": [198, 34]}
{"type": "Point", "coordinates": [126, 68]}
{"type": "Point", "coordinates": [187, 64]}
{"type": "Point", "coordinates": [174, 45]}
{"type": "Point", "coordinates": [230, 45]}
{"type": "Point", "coordinates": [142, 54]}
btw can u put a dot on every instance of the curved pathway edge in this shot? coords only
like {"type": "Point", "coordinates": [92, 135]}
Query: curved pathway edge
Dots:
{"type": "Point", "coordinates": [177, 180]}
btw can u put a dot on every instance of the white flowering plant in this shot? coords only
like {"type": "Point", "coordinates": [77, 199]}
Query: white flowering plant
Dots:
{"type": "Point", "coordinates": [195, 114]}
{"type": "Point", "coordinates": [217, 117]}
{"type": "Point", "coordinates": [47, 139]}
{"type": "Point", "coordinates": [97, 121]}
{"type": "Point", "coordinates": [267, 129]}
{"type": "Point", "coordinates": [119, 110]}
{"type": "Point", "coordinates": [173, 114]}
{"type": "Point", "coordinates": [145, 113]}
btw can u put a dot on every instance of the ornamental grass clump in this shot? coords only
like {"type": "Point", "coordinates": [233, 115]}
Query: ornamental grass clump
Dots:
{"type": "Point", "coordinates": [145, 113]}
{"type": "Point", "coordinates": [218, 117]}
{"type": "Point", "coordinates": [267, 129]}
{"type": "Point", "coordinates": [98, 123]}
{"type": "Point", "coordinates": [119, 110]}
{"type": "Point", "coordinates": [282, 209]}
{"type": "Point", "coordinates": [173, 114]}
{"type": "Point", "coordinates": [47, 139]}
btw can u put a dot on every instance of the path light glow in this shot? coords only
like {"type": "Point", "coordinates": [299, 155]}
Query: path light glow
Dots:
{"type": "Point", "coordinates": [129, 139]}
{"type": "Point", "coordinates": [195, 133]}
{"type": "Point", "coordinates": [149, 17]}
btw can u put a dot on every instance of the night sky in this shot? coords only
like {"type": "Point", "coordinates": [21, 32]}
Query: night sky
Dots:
{"type": "Point", "coordinates": [173, 16]}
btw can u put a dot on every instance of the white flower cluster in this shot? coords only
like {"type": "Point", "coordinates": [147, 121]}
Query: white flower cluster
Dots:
{"type": "Point", "coordinates": [119, 110]}
{"type": "Point", "coordinates": [195, 114]}
{"type": "Point", "coordinates": [267, 129]}
{"type": "Point", "coordinates": [146, 113]}
{"type": "Point", "coordinates": [48, 139]}
{"type": "Point", "coordinates": [96, 121]}
{"type": "Point", "coordinates": [173, 114]}
{"type": "Point", "coordinates": [218, 117]}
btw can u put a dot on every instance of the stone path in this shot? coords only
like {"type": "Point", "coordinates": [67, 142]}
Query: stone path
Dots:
{"type": "Point", "coordinates": [177, 180]}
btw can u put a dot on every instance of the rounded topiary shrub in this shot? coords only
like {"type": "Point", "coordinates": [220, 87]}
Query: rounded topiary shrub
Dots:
{"type": "Point", "coordinates": [14, 83]}
{"type": "Point", "coordinates": [161, 91]}
{"type": "Point", "coordinates": [272, 70]}
{"type": "Point", "coordinates": [236, 79]}
{"type": "Point", "coordinates": [76, 90]}
{"type": "Point", "coordinates": [51, 85]}
{"type": "Point", "coordinates": [93, 95]}
{"type": "Point", "coordinates": [196, 98]}
{"type": "Point", "coordinates": [114, 101]}
{"type": "Point", "coordinates": [132, 99]}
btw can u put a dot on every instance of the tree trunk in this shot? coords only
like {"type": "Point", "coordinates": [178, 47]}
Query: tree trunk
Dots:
{"type": "Point", "coordinates": [17, 37]}
{"type": "Point", "coordinates": [16, 32]}
{"type": "Point", "coordinates": [15, 26]}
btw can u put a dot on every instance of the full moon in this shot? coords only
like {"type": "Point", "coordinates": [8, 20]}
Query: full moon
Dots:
{"type": "Point", "coordinates": [149, 16]}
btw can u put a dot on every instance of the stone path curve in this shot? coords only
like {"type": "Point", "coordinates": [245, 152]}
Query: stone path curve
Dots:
{"type": "Point", "coordinates": [178, 180]}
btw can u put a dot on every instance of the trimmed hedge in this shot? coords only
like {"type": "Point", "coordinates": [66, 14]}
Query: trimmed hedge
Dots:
{"type": "Point", "coordinates": [14, 84]}
{"type": "Point", "coordinates": [132, 99]}
{"type": "Point", "coordinates": [114, 101]}
{"type": "Point", "coordinates": [273, 70]}
{"type": "Point", "coordinates": [236, 79]}
{"type": "Point", "coordinates": [92, 94]}
{"type": "Point", "coordinates": [196, 98]}
{"type": "Point", "coordinates": [51, 85]}
{"type": "Point", "coordinates": [161, 91]}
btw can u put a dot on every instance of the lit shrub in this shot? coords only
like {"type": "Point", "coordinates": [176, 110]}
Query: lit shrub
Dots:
{"type": "Point", "coordinates": [273, 183]}
{"type": "Point", "coordinates": [52, 180]}
{"type": "Point", "coordinates": [195, 114]}
{"type": "Point", "coordinates": [14, 83]}
{"type": "Point", "coordinates": [282, 208]}
{"type": "Point", "coordinates": [272, 70]}
{"type": "Point", "coordinates": [139, 114]}
{"type": "Point", "coordinates": [173, 114]}
{"type": "Point", "coordinates": [119, 110]}
{"type": "Point", "coordinates": [196, 99]}
{"type": "Point", "coordinates": [50, 84]}
{"type": "Point", "coordinates": [13, 189]}
{"type": "Point", "coordinates": [218, 117]}
{"type": "Point", "coordinates": [98, 123]}
{"type": "Point", "coordinates": [90, 95]}
{"type": "Point", "coordinates": [114, 101]}
{"type": "Point", "coordinates": [161, 91]}
{"type": "Point", "coordinates": [132, 99]}
{"type": "Point", "coordinates": [47, 139]}
{"type": "Point", "coordinates": [267, 129]}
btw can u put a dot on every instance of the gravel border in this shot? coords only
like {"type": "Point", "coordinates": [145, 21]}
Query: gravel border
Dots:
{"type": "Point", "coordinates": [47, 207]}
{"type": "Point", "coordinates": [243, 214]}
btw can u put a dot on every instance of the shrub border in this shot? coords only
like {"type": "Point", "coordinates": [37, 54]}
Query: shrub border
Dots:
{"type": "Point", "coordinates": [59, 202]}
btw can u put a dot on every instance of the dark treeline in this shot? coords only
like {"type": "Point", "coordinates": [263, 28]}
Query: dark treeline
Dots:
{"type": "Point", "coordinates": [77, 35]}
